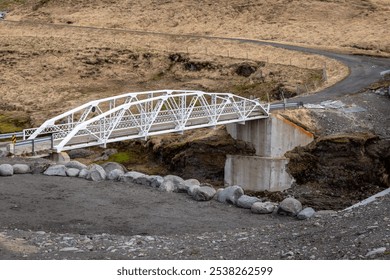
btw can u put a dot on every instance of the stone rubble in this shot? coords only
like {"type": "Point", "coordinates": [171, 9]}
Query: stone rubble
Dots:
{"type": "Point", "coordinates": [263, 207]}
{"type": "Point", "coordinates": [230, 194]}
{"type": "Point", "coordinates": [290, 207]}
{"type": "Point", "coordinates": [233, 195]}
{"type": "Point", "coordinates": [21, 169]}
{"type": "Point", "coordinates": [56, 170]}
{"type": "Point", "coordinates": [96, 173]}
{"type": "Point", "coordinates": [6, 170]}
{"type": "Point", "coordinates": [306, 213]}
{"type": "Point", "coordinates": [246, 201]}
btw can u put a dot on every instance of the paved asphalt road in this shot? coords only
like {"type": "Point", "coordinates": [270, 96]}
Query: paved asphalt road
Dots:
{"type": "Point", "coordinates": [364, 70]}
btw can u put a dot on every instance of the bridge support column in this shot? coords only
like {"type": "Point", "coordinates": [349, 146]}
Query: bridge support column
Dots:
{"type": "Point", "coordinates": [267, 170]}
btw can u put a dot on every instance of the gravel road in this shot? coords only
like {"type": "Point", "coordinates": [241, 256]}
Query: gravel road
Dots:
{"type": "Point", "coordinates": [45, 217]}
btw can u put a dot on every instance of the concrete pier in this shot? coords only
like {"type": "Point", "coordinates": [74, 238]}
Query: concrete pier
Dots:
{"type": "Point", "coordinates": [271, 138]}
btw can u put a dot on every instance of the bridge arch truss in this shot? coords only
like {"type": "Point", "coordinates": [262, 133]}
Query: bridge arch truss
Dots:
{"type": "Point", "coordinates": [144, 114]}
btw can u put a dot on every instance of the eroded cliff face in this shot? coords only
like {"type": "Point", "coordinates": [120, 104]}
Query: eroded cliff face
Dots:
{"type": "Point", "coordinates": [336, 171]}
{"type": "Point", "coordinates": [199, 154]}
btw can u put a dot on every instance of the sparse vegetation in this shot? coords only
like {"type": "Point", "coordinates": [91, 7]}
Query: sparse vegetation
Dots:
{"type": "Point", "coordinates": [128, 157]}
{"type": "Point", "coordinates": [9, 4]}
{"type": "Point", "coordinates": [10, 124]}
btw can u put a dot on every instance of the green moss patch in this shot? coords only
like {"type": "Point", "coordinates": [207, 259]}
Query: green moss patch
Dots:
{"type": "Point", "coordinates": [125, 158]}
{"type": "Point", "coordinates": [10, 124]}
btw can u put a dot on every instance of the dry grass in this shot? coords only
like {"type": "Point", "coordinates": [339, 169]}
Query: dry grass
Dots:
{"type": "Point", "coordinates": [353, 25]}
{"type": "Point", "coordinates": [48, 69]}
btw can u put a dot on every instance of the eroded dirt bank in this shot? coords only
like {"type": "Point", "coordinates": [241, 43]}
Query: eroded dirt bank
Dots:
{"type": "Point", "coordinates": [334, 172]}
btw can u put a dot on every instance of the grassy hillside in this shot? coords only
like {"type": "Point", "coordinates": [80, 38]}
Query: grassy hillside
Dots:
{"type": "Point", "coordinates": [354, 25]}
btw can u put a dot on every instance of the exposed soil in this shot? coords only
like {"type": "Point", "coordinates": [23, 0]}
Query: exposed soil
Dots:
{"type": "Point", "coordinates": [335, 172]}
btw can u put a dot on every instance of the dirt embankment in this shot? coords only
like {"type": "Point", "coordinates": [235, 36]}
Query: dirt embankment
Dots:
{"type": "Point", "coordinates": [344, 169]}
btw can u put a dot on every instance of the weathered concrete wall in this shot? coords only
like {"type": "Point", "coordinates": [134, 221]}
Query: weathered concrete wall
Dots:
{"type": "Point", "coordinates": [257, 173]}
{"type": "Point", "coordinates": [271, 138]}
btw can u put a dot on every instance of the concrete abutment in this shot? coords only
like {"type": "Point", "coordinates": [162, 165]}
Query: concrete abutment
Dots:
{"type": "Point", "coordinates": [267, 169]}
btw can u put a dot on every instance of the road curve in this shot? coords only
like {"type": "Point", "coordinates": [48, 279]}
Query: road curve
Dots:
{"type": "Point", "coordinates": [364, 70]}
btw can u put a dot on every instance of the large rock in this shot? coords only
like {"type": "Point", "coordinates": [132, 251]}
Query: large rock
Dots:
{"type": "Point", "coordinates": [217, 193]}
{"type": "Point", "coordinates": [79, 153]}
{"type": "Point", "coordinates": [115, 175]}
{"type": "Point", "coordinates": [203, 193]}
{"type": "Point", "coordinates": [263, 207]}
{"type": "Point", "coordinates": [130, 177]}
{"type": "Point", "coordinates": [56, 170]}
{"type": "Point", "coordinates": [173, 183]}
{"type": "Point", "coordinates": [306, 213]}
{"type": "Point", "coordinates": [75, 164]}
{"type": "Point", "coordinates": [230, 194]}
{"type": "Point", "coordinates": [246, 201]}
{"type": "Point", "coordinates": [40, 167]}
{"type": "Point", "coordinates": [192, 188]}
{"type": "Point", "coordinates": [72, 172]}
{"type": "Point", "coordinates": [290, 207]}
{"type": "Point", "coordinates": [180, 185]}
{"type": "Point", "coordinates": [6, 170]}
{"type": "Point", "coordinates": [154, 181]}
{"type": "Point", "coordinates": [84, 173]}
{"type": "Point", "coordinates": [143, 180]}
{"type": "Point", "coordinates": [21, 168]}
{"type": "Point", "coordinates": [110, 166]}
{"type": "Point", "coordinates": [191, 182]}
{"type": "Point", "coordinates": [96, 173]}
{"type": "Point", "coordinates": [109, 152]}
{"type": "Point", "coordinates": [167, 186]}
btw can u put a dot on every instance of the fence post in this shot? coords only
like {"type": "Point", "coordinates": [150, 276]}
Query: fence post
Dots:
{"type": "Point", "coordinates": [33, 146]}
{"type": "Point", "coordinates": [324, 73]}
{"type": "Point", "coordinates": [52, 141]}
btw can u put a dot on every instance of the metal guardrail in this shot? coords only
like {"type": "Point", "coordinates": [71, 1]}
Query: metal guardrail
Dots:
{"type": "Point", "coordinates": [286, 105]}
{"type": "Point", "coordinates": [33, 142]}
{"type": "Point", "coordinates": [9, 135]}
{"type": "Point", "coordinates": [36, 141]}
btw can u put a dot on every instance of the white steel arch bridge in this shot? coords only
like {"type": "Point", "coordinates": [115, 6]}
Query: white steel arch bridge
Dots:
{"type": "Point", "coordinates": [143, 114]}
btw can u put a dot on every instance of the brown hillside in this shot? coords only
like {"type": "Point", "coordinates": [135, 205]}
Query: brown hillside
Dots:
{"type": "Point", "coordinates": [354, 25]}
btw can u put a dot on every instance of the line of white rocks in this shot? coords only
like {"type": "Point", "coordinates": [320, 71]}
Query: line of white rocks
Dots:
{"type": "Point", "coordinates": [200, 192]}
